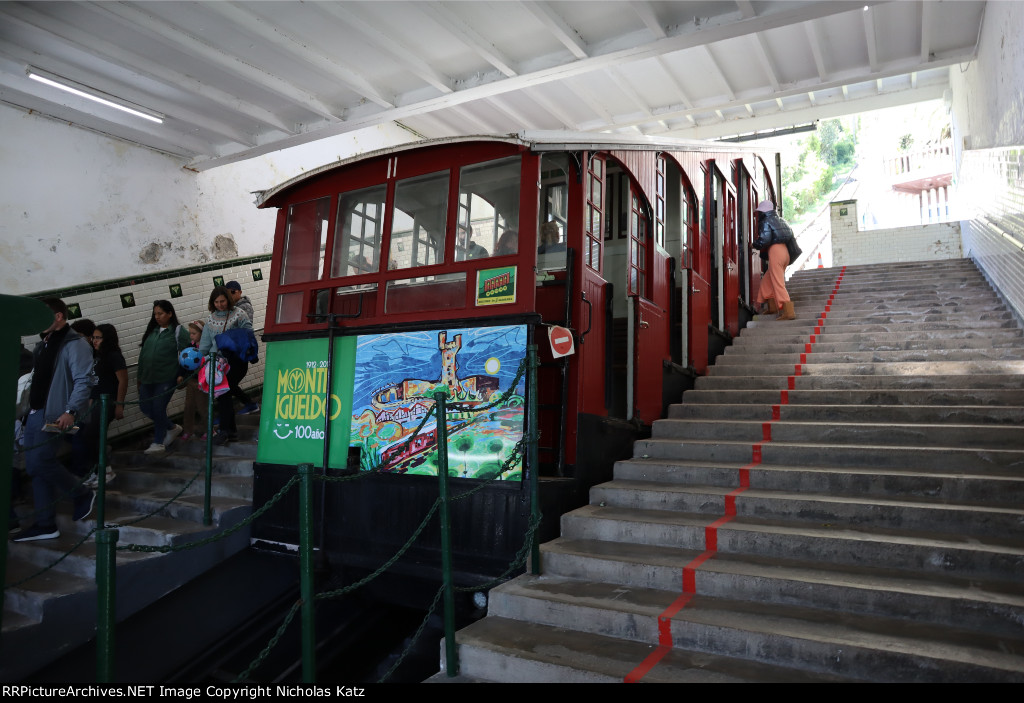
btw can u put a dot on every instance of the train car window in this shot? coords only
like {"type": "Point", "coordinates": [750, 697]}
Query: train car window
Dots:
{"type": "Point", "coordinates": [357, 232]}
{"type": "Point", "coordinates": [488, 210]}
{"type": "Point", "coordinates": [418, 222]}
{"type": "Point", "coordinates": [551, 246]}
{"type": "Point", "coordinates": [304, 242]}
{"type": "Point", "coordinates": [659, 203]}
{"type": "Point", "coordinates": [595, 214]}
{"type": "Point", "coordinates": [289, 308]}
{"type": "Point", "coordinates": [424, 293]}
{"type": "Point", "coordinates": [638, 246]}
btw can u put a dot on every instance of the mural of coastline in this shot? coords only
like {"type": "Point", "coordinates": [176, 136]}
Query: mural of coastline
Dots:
{"type": "Point", "coordinates": [395, 377]}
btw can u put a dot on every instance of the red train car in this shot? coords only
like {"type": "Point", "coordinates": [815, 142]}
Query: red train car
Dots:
{"type": "Point", "coordinates": [640, 248]}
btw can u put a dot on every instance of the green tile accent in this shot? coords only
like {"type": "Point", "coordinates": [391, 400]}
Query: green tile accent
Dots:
{"type": "Point", "coordinates": [73, 291]}
{"type": "Point", "coordinates": [74, 311]}
{"type": "Point", "coordinates": [127, 300]}
{"type": "Point", "coordinates": [175, 289]}
{"type": "Point", "coordinates": [218, 281]}
{"type": "Point", "coordinates": [257, 274]}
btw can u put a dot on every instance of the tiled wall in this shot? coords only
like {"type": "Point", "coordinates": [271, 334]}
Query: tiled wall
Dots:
{"type": "Point", "coordinates": [106, 302]}
{"type": "Point", "coordinates": [992, 181]}
{"type": "Point", "coordinates": [851, 246]}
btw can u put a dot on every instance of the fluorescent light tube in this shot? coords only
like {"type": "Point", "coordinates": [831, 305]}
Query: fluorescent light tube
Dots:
{"type": "Point", "coordinates": [83, 92]}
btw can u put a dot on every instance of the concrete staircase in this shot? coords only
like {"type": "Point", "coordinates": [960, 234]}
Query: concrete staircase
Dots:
{"type": "Point", "coordinates": [55, 612]}
{"type": "Point", "coordinates": [838, 499]}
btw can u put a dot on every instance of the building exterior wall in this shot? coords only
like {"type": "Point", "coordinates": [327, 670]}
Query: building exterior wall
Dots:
{"type": "Point", "coordinates": [850, 245]}
{"type": "Point", "coordinates": [102, 302]}
{"type": "Point", "coordinates": [987, 107]}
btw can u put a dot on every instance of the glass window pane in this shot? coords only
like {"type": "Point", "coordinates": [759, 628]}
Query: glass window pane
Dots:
{"type": "Point", "coordinates": [289, 308]}
{"type": "Point", "coordinates": [419, 220]}
{"type": "Point", "coordinates": [488, 210]}
{"type": "Point", "coordinates": [357, 232]}
{"type": "Point", "coordinates": [304, 241]}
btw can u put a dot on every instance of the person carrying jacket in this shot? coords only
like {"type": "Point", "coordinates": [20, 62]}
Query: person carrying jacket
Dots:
{"type": "Point", "coordinates": [773, 238]}
{"type": "Point", "coordinates": [62, 381]}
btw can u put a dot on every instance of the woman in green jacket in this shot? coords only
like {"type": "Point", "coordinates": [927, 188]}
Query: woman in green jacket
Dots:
{"type": "Point", "coordinates": [158, 372]}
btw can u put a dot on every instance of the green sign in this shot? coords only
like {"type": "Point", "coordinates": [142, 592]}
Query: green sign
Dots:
{"type": "Point", "coordinates": [295, 397]}
{"type": "Point", "coordinates": [496, 286]}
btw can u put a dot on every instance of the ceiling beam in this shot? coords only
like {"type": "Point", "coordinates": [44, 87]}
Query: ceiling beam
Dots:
{"type": "Point", "coordinates": [645, 12]}
{"type": "Point", "coordinates": [28, 18]}
{"type": "Point", "coordinates": [501, 103]}
{"type": "Point", "coordinates": [348, 15]}
{"type": "Point", "coordinates": [765, 59]}
{"type": "Point", "coordinates": [869, 37]}
{"type": "Point", "coordinates": [822, 111]}
{"type": "Point", "coordinates": [297, 47]}
{"type": "Point", "coordinates": [814, 39]}
{"type": "Point", "coordinates": [926, 31]}
{"type": "Point", "coordinates": [232, 64]}
{"type": "Point", "coordinates": [557, 26]}
{"type": "Point", "coordinates": [718, 72]}
{"type": "Point", "coordinates": [453, 23]}
{"type": "Point", "coordinates": [552, 108]}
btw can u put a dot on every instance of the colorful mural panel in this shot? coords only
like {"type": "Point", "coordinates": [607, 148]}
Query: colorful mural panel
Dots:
{"type": "Point", "coordinates": [395, 378]}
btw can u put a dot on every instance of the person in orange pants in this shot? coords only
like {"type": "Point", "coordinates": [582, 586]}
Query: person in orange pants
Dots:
{"type": "Point", "coordinates": [772, 229]}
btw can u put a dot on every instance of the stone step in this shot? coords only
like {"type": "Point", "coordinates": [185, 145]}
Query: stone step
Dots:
{"type": "Point", "coordinates": [868, 433]}
{"type": "Point", "coordinates": [224, 484]}
{"type": "Point", "coordinates": [977, 381]}
{"type": "Point", "coordinates": [993, 607]}
{"type": "Point", "coordinates": [822, 641]}
{"type": "Point", "coordinates": [513, 651]}
{"type": "Point", "coordinates": [901, 339]}
{"type": "Point", "coordinates": [807, 322]}
{"type": "Point", "coordinates": [767, 360]}
{"type": "Point", "coordinates": [937, 459]}
{"type": "Point", "coordinates": [988, 488]}
{"type": "Point", "coordinates": [973, 556]}
{"type": "Point", "coordinates": [852, 413]}
{"type": "Point", "coordinates": [869, 397]}
{"type": "Point", "coordinates": [937, 367]}
{"type": "Point", "coordinates": [984, 348]}
{"type": "Point", "coordinates": [903, 513]}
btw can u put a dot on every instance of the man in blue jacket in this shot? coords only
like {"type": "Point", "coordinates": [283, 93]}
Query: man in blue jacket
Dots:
{"type": "Point", "coordinates": [62, 381]}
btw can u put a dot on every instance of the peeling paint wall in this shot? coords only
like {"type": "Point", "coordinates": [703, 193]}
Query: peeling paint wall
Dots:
{"type": "Point", "coordinates": [78, 207]}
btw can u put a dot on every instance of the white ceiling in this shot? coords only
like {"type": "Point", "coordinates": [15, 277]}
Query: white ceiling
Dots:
{"type": "Point", "coordinates": [237, 79]}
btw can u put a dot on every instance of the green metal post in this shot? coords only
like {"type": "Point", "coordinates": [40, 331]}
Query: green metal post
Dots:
{"type": "Point", "coordinates": [211, 376]}
{"type": "Point", "coordinates": [306, 572]}
{"type": "Point", "coordinates": [101, 470]}
{"type": "Point", "coordinates": [533, 440]}
{"type": "Point", "coordinates": [441, 413]}
{"type": "Point", "coordinates": [106, 612]}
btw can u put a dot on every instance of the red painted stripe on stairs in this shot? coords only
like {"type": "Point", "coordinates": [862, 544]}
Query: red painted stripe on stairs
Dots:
{"type": "Point", "coordinates": [803, 357]}
{"type": "Point", "coordinates": [792, 383]}
{"type": "Point", "coordinates": [776, 412]}
{"type": "Point", "coordinates": [766, 431]}
{"type": "Point", "coordinates": [690, 576]}
{"type": "Point", "coordinates": [784, 398]}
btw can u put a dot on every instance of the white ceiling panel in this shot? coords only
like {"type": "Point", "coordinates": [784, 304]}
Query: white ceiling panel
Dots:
{"type": "Point", "coordinates": [237, 79]}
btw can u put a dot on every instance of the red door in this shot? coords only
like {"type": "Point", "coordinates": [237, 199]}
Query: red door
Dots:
{"type": "Point", "coordinates": [592, 298]}
{"type": "Point", "coordinates": [731, 262]}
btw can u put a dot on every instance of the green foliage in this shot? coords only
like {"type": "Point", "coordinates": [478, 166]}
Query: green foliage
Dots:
{"type": "Point", "coordinates": [906, 141]}
{"type": "Point", "coordinates": [824, 152]}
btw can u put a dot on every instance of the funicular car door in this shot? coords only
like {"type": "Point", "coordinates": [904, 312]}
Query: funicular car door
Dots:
{"type": "Point", "coordinates": [727, 250]}
{"type": "Point", "coordinates": [593, 292]}
{"type": "Point", "coordinates": [698, 294]}
{"type": "Point", "coordinates": [649, 322]}
{"type": "Point", "coordinates": [749, 258]}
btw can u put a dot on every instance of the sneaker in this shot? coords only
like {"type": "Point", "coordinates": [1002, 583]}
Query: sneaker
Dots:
{"type": "Point", "coordinates": [171, 435]}
{"type": "Point", "coordinates": [155, 448]}
{"type": "Point", "coordinates": [36, 532]}
{"type": "Point", "coordinates": [222, 438]}
{"type": "Point", "coordinates": [201, 437]}
{"type": "Point", "coordinates": [93, 482]}
{"type": "Point", "coordinates": [84, 505]}
{"type": "Point", "coordinates": [249, 409]}
{"type": "Point", "coordinates": [186, 436]}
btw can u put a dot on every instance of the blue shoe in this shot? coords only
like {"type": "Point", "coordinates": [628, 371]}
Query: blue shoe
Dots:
{"type": "Point", "coordinates": [249, 409]}
{"type": "Point", "coordinates": [37, 532]}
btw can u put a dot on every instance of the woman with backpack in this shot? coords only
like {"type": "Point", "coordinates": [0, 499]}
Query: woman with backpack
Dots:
{"type": "Point", "coordinates": [777, 244]}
